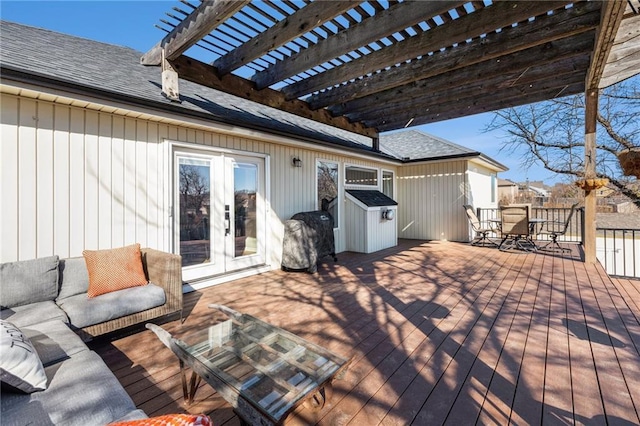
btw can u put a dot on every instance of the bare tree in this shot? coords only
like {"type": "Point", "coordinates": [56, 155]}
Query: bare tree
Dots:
{"type": "Point", "coordinates": [551, 133]}
{"type": "Point", "coordinates": [194, 191]}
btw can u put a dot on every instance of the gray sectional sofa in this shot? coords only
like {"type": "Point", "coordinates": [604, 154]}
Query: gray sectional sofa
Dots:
{"type": "Point", "coordinates": [45, 300]}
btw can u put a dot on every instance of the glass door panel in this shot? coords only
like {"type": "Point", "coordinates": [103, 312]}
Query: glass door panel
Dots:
{"type": "Point", "coordinates": [245, 182]}
{"type": "Point", "coordinates": [245, 186]}
{"type": "Point", "coordinates": [194, 210]}
{"type": "Point", "coordinates": [220, 213]}
{"type": "Point", "coordinates": [199, 231]}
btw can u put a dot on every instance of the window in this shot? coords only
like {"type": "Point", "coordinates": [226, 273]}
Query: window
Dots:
{"type": "Point", "coordinates": [328, 189]}
{"type": "Point", "coordinates": [493, 188]}
{"type": "Point", "coordinates": [387, 183]}
{"type": "Point", "coordinates": [361, 176]}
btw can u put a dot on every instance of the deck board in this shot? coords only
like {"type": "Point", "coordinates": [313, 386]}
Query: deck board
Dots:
{"type": "Point", "coordinates": [438, 332]}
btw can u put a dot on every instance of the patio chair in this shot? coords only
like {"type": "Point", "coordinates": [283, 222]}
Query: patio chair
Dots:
{"type": "Point", "coordinates": [482, 234]}
{"type": "Point", "coordinates": [554, 229]}
{"type": "Point", "coordinates": [516, 232]}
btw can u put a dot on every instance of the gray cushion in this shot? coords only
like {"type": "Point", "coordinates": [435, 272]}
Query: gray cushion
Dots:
{"type": "Point", "coordinates": [20, 366]}
{"type": "Point", "coordinates": [74, 278]}
{"type": "Point", "coordinates": [84, 311]}
{"type": "Point", "coordinates": [28, 281]}
{"type": "Point", "coordinates": [132, 415]}
{"type": "Point", "coordinates": [54, 341]}
{"type": "Point", "coordinates": [34, 313]}
{"type": "Point", "coordinates": [81, 391]}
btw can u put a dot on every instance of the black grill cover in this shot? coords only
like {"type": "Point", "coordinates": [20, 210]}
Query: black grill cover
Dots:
{"type": "Point", "coordinates": [308, 236]}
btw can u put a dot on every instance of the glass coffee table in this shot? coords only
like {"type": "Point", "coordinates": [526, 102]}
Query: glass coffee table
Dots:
{"type": "Point", "coordinates": [263, 371]}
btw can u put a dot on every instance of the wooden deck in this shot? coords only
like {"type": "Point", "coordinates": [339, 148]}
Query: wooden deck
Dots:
{"type": "Point", "coordinates": [441, 333]}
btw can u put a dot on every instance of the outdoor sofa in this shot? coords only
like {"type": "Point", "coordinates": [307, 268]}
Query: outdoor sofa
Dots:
{"type": "Point", "coordinates": [48, 374]}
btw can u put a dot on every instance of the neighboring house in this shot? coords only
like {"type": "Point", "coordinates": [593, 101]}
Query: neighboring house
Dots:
{"type": "Point", "coordinates": [507, 190]}
{"type": "Point", "coordinates": [93, 156]}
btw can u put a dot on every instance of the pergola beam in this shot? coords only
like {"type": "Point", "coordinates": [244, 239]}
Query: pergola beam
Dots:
{"type": "Point", "coordinates": [201, 21]}
{"type": "Point", "coordinates": [470, 99]}
{"type": "Point", "coordinates": [462, 84]}
{"type": "Point", "coordinates": [495, 46]}
{"type": "Point", "coordinates": [472, 25]}
{"type": "Point", "coordinates": [398, 17]}
{"type": "Point", "coordinates": [206, 75]}
{"type": "Point", "coordinates": [539, 59]}
{"type": "Point", "coordinates": [290, 28]}
{"type": "Point", "coordinates": [611, 17]}
{"type": "Point", "coordinates": [463, 110]}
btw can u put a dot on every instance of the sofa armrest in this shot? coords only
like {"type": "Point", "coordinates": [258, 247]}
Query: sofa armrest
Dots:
{"type": "Point", "coordinates": [165, 269]}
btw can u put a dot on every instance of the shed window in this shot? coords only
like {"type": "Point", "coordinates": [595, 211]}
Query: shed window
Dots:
{"type": "Point", "coordinates": [361, 176]}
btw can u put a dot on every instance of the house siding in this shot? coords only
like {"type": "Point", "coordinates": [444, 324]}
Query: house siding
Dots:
{"type": "Point", "coordinates": [480, 182]}
{"type": "Point", "coordinates": [75, 178]}
{"type": "Point", "coordinates": [431, 197]}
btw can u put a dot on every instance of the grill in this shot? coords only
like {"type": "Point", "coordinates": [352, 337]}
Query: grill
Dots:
{"type": "Point", "coordinates": [308, 237]}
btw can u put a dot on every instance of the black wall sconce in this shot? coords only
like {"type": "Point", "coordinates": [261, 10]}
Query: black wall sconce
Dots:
{"type": "Point", "coordinates": [296, 162]}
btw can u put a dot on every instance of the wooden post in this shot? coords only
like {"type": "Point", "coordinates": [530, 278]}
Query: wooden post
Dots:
{"type": "Point", "coordinates": [169, 81]}
{"type": "Point", "coordinates": [591, 110]}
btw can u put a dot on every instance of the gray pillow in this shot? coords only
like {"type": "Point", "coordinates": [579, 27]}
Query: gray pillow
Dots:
{"type": "Point", "coordinates": [74, 278]}
{"type": "Point", "coordinates": [20, 366]}
{"type": "Point", "coordinates": [28, 281]}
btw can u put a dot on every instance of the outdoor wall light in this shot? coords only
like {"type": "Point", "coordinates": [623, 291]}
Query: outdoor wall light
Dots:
{"type": "Point", "coordinates": [387, 214]}
{"type": "Point", "coordinates": [296, 162]}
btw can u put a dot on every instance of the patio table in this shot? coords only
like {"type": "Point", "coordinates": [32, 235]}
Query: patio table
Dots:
{"type": "Point", "coordinates": [535, 226]}
{"type": "Point", "coordinates": [266, 373]}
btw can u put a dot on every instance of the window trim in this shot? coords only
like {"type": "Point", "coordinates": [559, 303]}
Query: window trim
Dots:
{"type": "Point", "coordinates": [339, 184]}
{"type": "Point", "coordinates": [393, 182]}
{"type": "Point", "coordinates": [362, 186]}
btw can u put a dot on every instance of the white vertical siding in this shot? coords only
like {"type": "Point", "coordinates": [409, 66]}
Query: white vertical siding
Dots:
{"type": "Point", "coordinates": [75, 179]}
{"type": "Point", "coordinates": [381, 233]}
{"type": "Point", "coordinates": [60, 183]}
{"type": "Point", "coordinates": [9, 232]}
{"type": "Point", "coordinates": [356, 227]}
{"type": "Point", "coordinates": [76, 184]}
{"type": "Point", "coordinates": [430, 198]}
{"type": "Point", "coordinates": [27, 187]}
{"type": "Point", "coordinates": [480, 182]}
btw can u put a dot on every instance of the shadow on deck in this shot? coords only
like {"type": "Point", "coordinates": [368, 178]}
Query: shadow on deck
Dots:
{"type": "Point", "coordinates": [440, 333]}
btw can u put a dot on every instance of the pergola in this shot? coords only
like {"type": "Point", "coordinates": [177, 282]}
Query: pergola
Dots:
{"type": "Point", "coordinates": [380, 65]}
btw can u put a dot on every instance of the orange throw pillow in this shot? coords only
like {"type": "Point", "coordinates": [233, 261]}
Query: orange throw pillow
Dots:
{"type": "Point", "coordinates": [114, 269]}
{"type": "Point", "coordinates": [170, 420]}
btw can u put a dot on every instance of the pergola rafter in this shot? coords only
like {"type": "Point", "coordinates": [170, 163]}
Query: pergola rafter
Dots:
{"type": "Point", "coordinates": [373, 66]}
{"type": "Point", "coordinates": [498, 51]}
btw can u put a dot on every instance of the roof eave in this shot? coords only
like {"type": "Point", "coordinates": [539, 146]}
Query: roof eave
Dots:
{"type": "Point", "coordinates": [13, 74]}
{"type": "Point", "coordinates": [480, 157]}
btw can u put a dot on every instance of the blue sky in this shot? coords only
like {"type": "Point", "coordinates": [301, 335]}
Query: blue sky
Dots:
{"type": "Point", "coordinates": [131, 23]}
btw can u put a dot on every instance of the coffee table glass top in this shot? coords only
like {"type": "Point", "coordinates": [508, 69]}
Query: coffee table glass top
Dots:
{"type": "Point", "coordinates": [270, 367]}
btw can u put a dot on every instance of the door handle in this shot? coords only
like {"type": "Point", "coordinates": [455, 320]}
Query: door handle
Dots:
{"type": "Point", "coordinates": [227, 220]}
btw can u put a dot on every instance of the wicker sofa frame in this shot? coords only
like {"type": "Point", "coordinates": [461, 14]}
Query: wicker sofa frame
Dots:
{"type": "Point", "coordinates": [161, 268]}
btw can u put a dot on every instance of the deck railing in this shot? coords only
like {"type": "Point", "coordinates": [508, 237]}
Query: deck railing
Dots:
{"type": "Point", "coordinates": [617, 249]}
{"type": "Point", "coordinates": [574, 232]}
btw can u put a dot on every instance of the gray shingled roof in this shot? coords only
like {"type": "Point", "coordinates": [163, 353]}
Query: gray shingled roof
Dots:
{"type": "Point", "coordinates": [114, 72]}
{"type": "Point", "coordinates": [372, 198]}
{"type": "Point", "coordinates": [416, 145]}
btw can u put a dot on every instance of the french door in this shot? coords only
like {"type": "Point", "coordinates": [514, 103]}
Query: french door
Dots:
{"type": "Point", "coordinates": [220, 216]}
